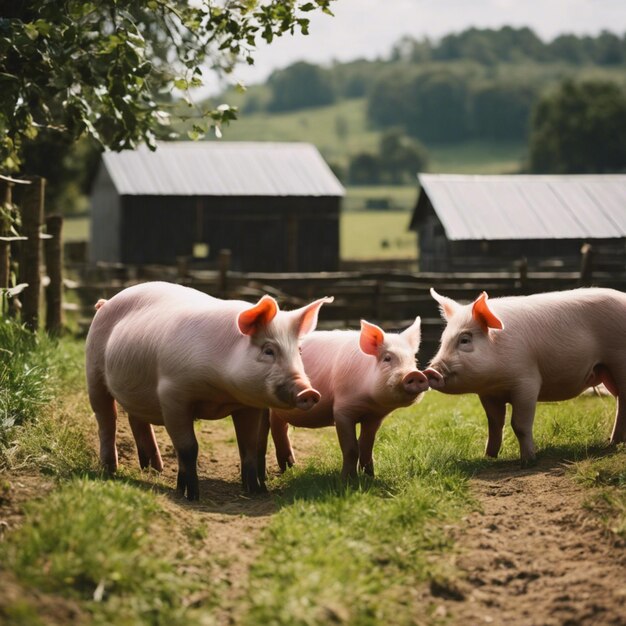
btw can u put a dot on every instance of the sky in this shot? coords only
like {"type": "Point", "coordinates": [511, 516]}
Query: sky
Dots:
{"type": "Point", "coordinates": [369, 28]}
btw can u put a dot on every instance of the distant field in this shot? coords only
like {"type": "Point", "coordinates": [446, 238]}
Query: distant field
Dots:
{"type": "Point", "coordinates": [377, 235]}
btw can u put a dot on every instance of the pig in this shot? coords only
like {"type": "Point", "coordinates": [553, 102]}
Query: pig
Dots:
{"type": "Point", "coordinates": [362, 377]}
{"type": "Point", "coordinates": [525, 349]}
{"type": "Point", "coordinates": [170, 354]}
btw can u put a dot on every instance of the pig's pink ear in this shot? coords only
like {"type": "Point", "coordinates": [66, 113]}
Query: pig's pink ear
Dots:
{"type": "Point", "coordinates": [372, 338]}
{"type": "Point", "coordinates": [306, 317]}
{"type": "Point", "coordinates": [413, 334]}
{"type": "Point", "coordinates": [484, 315]}
{"type": "Point", "coordinates": [447, 306]}
{"type": "Point", "coordinates": [261, 314]}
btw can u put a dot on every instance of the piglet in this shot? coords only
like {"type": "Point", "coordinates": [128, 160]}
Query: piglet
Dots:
{"type": "Point", "coordinates": [170, 355]}
{"type": "Point", "coordinates": [525, 349]}
{"type": "Point", "coordinates": [362, 377]}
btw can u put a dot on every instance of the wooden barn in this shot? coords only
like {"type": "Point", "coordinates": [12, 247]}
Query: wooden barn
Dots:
{"type": "Point", "coordinates": [467, 223]}
{"type": "Point", "coordinates": [275, 206]}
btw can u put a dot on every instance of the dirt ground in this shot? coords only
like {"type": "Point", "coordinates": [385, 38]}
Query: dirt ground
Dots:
{"type": "Point", "coordinates": [530, 555]}
{"type": "Point", "coordinates": [533, 555]}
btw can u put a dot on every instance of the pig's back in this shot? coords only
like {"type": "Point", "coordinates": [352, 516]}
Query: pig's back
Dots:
{"type": "Point", "coordinates": [565, 332]}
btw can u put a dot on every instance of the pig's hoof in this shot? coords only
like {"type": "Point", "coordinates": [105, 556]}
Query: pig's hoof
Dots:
{"type": "Point", "coordinates": [528, 463]}
{"type": "Point", "coordinates": [188, 486]}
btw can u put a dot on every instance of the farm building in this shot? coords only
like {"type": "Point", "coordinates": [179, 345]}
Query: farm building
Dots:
{"type": "Point", "coordinates": [275, 206]}
{"type": "Point", "coordinates": [492, 222]}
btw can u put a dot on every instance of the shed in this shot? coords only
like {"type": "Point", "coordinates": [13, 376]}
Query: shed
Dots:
{"type": "Point", "coordinates": [276, 206]}
{"type": "Point", "coordinates": [492, 222]}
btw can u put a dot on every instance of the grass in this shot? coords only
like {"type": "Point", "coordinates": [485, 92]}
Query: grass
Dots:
{"type": "Point", "coordinates": [377, 234]}
{"type": "Point", "coordinates": [24, 384]}
{"type": "Point", "coordinates": [361, 553]}
{"type": "Point", "coordinates": [93, 542]}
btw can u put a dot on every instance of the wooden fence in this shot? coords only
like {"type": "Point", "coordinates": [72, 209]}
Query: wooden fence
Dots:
{"type": "Point", "coordinates": [390, 298]}
{"type": "Point", "coordinates": [23, 273]}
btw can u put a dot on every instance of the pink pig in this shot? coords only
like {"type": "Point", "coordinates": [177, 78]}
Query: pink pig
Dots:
{"type": "Point", "coordinates": [525, 349]}
{"type": "Point", "coordinates": [170, 355]}
{"type": "Point", "coordinates": [362, 377]}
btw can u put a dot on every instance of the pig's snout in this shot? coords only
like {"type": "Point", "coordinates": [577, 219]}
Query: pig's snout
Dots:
{"type": "Point", "coordinates": [435, 379]}
{"type": "Point", "coordinates": [415, 382]}
{"type": "Point", "coordinates": [307, 399]}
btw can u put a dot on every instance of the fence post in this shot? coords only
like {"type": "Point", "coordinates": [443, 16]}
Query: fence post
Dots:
{"type": "Point", "coordinates": [5, 232]}
{"type": "Point", "coordinates": [53, 249]}
{"type": "Point", "coordinates": [223, 265]}
{"type": "Point", "coordinates": [32, 218]}
{"type": "Point", "coordinates": [523, 274]}
{"type": "Point", "coordinates": [586, 264]}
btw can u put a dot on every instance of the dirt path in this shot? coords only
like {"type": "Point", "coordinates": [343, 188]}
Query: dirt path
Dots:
{"type": "Point", "coordinates": [533, 555]}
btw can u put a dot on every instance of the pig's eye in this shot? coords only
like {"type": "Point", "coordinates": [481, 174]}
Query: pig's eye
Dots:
{"type": "Point", "coordinates": [465, 341]}
{"type": "Point", "coordinates": [269, 351]}
{"type": "Point", "coordinates": [387, 358]}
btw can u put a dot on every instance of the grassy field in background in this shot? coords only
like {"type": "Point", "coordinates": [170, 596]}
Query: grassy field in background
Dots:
{"type": "Point", "coordinates": [377, 235]}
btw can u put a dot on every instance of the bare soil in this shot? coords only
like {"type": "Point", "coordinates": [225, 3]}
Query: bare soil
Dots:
{"type": "Point", "coordinates": [531, 554]}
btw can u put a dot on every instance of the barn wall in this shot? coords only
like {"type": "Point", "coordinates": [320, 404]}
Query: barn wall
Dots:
{"type": "Point", "coordinates": [104, 238]}
{"type": "Point", "coordinates": [263, 234]}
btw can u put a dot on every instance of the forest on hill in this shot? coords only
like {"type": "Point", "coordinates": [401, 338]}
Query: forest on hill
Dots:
{"type": "Point", "coordinates": [499, 86]}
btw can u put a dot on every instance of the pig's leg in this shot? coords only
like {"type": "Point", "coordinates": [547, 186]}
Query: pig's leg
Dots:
{"type": "Point", "coordinates": [346, 431]}
{"type": "Point", "coordinates": [147, 447]}
{"type": "Point", "coordinates": [247, 424]}
{"type": "Point", "coordinates": [264, 431]}
{"type": "Point", "coordinates": [282, 444]}
{"type": "Point", "coordinates": [619, 428]}
{"type": "Point", "coordinates": [103, 406]}
{"type": "Point", "coordinates": [617, 387]}
{"type": "Point", "coordinates": [179, 425]}
{"type": "Point", "coordinates": [369, 428]}
{"type": "Point", "coordinates": [496, 412]}
{"type": "Point", "coordinates": [522, 417]}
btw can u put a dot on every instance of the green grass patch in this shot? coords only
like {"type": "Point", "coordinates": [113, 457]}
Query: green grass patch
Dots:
{"type": "Point", "coordinates": [377, 235]}
{"type": "Point", "coordinates": [47, 423]}
{"type": "Point", "coordinates": [606, 479]}
{"type": "Point", "coordinates": [24, 376]}
{"type": "Point", "coordinates": [95, 542]}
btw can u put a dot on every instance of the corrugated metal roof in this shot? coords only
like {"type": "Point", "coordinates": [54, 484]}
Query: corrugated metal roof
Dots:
{"type": "Point", "coordinates": [186, 168]}
{"type": "Point", "coordinates": [528, 206]}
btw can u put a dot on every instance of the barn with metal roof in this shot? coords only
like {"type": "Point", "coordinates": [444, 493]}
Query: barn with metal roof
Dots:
{"type": "Point", "coordinates": [275, 206]}
{"type": "Point", "coordinates": [492, 222]}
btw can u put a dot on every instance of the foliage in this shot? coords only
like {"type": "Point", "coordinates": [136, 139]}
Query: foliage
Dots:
{"type": "Point", "coordinates": [25, 385]}
{"type": "Point", "coordinates": [579, 129]}
{"type": "Point", "coordinates": [398, 160]}
{"type": "Point", "coordinates": [507, 44]}
{"type": "Point", "coordinates": [300, 86]}
{"type": "Point", "coordinates": [106, 69]}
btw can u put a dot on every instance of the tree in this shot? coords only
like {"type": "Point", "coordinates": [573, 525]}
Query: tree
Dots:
{"type": "Point", "coordinates": [300, 86]}
{"type": "Point", "coordinates": [105, 69]}
{"type": "Point", "coordinates": [581, 128]}
{"type": "Point", "coordinates": [401, 157]}
{"type": "Point", "coordinates": [501, 110]}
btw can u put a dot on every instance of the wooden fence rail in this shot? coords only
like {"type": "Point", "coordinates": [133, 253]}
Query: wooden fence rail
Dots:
{"type": "Point", "coordinates": [391, 298]}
